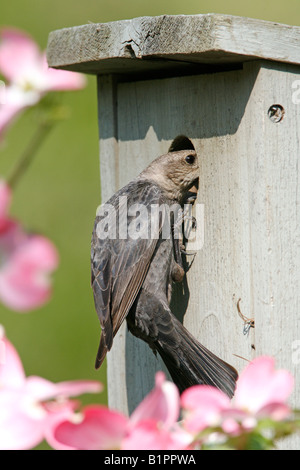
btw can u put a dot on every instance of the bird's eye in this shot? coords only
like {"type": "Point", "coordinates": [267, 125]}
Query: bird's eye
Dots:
{"type": "Point", "coordinates": [190, 159]}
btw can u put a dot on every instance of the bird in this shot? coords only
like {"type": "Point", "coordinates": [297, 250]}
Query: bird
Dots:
{"type": "Point", "coordinates": [132, 274]}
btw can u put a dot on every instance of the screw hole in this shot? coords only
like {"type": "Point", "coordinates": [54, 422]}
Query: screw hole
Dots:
{"type": "Point", "coordinates": [276, 113]}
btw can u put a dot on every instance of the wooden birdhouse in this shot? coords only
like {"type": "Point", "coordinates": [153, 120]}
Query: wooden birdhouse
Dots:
{"type": "Point", "coordinates": [232, 86]}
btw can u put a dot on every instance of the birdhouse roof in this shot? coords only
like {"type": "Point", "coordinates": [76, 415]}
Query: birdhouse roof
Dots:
{"type": "Point", "coordinates": [167, 43]}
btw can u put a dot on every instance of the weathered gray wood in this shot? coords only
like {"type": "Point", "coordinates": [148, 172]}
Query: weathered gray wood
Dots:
{"type": "Point", "coordinates": [107, 117]}
{"type": "Point", "coordinates": [129, 46]}
{"type": "Point", "coordinates": [273, 173]}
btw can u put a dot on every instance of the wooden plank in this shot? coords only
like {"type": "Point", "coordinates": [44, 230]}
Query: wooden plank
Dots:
{"type": "Point", "coordinates": [275, 221]}
{"type": "Point", "coordinates": [108, 131]}
{"type": "Point", "coordinates": [170, 42]}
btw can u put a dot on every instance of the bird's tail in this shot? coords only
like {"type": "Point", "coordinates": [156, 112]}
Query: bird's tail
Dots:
{"type": "Point", "coordinates": [193, 364]}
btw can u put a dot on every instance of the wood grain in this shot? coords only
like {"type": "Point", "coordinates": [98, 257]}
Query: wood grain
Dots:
{"type": "Point", "coordinates": [171, 42]}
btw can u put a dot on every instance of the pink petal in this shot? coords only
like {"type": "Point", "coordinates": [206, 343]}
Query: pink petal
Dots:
{"type": "Point", "coordinates": [231, 426]}
{"type": "Point", "coordinates": [11, 236]}
{"type": "Point", "coordinates": [260, 385]}
{"type": "Point", "coordinates": [24, 423]}
{"type": "Point", "coordinates": [203, 406]}
{"type": "Point", "coordinates": [275, 411]}
{"type": "Point", "coordinates": [162, 404]}
{"type": "Point", "coordinates": [16, 100]}
{"type": "Point", "coordinates": [11, 369]}
{"type": "Point", "coordinates": [18, 429]}
{"type": "Point", "coordinates": [18, 53]}
{"type": "Point", "coordinates": [38, 253]}
{"type": "Point", "coordinates": [57, 412]}
{"type": "Point", "coordinates": [26, 67]}
{"type": "Point", "coordinates": [42, 389]}
{"type": "Point", "coordinates": [60, 80]}
{"type": "Point", "coordinates": [98, 429]}
{"type": "Point", "coordinates": [8, 113]}
{"type": "Point", "coordinates": [235, 420]}
{"type": "Point", "coordinates": [25, 418]}
{"type": "Point", "coordinates": [147, 435]}
{"type": "Point", "coordinates": [24, 278]}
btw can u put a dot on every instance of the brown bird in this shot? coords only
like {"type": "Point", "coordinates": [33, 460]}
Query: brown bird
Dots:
{"type": "Point", "coordinates": [132, 274]}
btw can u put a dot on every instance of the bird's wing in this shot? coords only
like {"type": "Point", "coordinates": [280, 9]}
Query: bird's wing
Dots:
{"type": "Point", "coordinates": [119, 266]}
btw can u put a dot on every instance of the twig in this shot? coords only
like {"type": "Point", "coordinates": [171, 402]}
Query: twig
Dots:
{"type": "Point", "coordinates": [28, 154]}
{"type": "Point", "coordinates": [248, 322]}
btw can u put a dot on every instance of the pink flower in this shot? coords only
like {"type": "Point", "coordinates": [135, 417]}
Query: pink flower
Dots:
{"type": "Point", "coordinates": [261, 392]}
{"type": "Point", "coordinates": [31, 405]}
{"type": "Point", "coordinates": [26, 262]}
{"type": "Point", "coordinates": [153, 425]}
{"type": "Point", "coordinates": [162, 404]}
{"type": "Point", "coordinates": [26, 69]}
{"type": "Point", "coordinates": [203, 406]}
{"type": "Point", "coordinates": [95, 428]}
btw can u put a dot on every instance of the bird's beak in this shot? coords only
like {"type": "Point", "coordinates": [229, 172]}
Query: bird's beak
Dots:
{"type": "Point", "coordinates": [192, 192]}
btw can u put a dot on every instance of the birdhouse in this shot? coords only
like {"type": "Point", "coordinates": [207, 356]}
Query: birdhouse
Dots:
{"type": "Point", "coordinates": [232, 86]}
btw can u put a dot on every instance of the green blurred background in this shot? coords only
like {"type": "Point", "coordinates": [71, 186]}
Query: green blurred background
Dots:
{"type": "Point", "coordinates": [60, 192]}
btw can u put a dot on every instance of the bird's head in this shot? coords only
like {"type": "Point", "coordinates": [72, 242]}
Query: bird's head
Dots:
{"type": "Point", "coordinates": [176, 172]}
